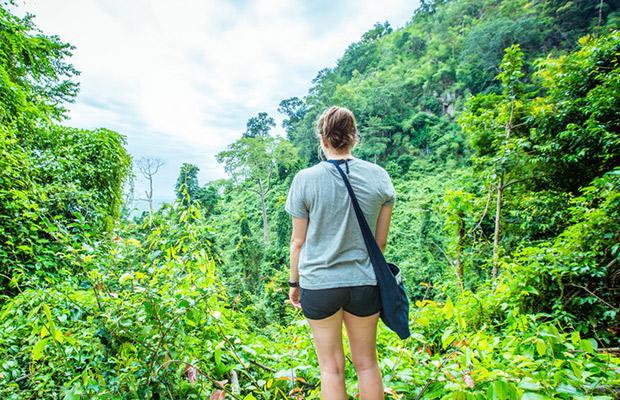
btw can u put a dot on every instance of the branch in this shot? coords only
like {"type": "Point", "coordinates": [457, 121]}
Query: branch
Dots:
{"type": "Point", "coordinates": [447, 357]}
{"type": "Point", "coordinates": [484, 213]}
{"type": "Point", "coordinates": [21, 378]}
{"type": "Point", "coordinates": [213, 381]}
{"type": "Point", "coordinates": [445, 255]}
{"type": "Point", "coordinates": [235, 355]}
{"type": "Point", "coordinates": [524, 179]}
{"type": "Point", "coordinates": [593, 294]}
{"type": "Point", "coordinates": [269, 177]}
{"type": "Point", "coordinates": [266, 368]}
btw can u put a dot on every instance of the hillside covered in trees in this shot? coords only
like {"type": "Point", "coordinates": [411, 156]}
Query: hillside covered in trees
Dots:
{"type": "Point", "coordinates": [499, 123]}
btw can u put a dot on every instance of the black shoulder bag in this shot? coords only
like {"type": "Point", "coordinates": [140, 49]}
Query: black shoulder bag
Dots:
{"type": "Point", "coordinates": [394, 301]}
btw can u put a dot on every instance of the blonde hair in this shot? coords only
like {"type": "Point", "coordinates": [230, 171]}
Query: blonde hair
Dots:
{"type": "Point", "coordinates": [337, 125]}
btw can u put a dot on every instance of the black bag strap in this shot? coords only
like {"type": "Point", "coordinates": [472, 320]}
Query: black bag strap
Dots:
{"type": "Point", "coordinates": [376, 256]}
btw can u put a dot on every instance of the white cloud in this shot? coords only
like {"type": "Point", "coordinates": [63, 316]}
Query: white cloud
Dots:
{"type": "Point", "coordinates": [181, 79]}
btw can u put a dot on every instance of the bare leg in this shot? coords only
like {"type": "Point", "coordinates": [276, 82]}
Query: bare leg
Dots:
{"type": "Point", "coordinates": [362, 333]}
{"type": "Point", "coordinates": [327, 335]}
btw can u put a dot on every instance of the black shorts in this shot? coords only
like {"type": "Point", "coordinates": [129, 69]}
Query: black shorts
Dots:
{"type": "Point", "coordinates": [361, 301]}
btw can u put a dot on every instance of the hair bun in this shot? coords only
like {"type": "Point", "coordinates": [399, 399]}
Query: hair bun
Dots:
{"type": "Point", "coordinates": [337, 125]}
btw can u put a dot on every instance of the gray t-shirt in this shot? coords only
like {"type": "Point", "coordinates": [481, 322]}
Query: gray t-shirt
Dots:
{"type": "Point", "coordinates": [334, 254]}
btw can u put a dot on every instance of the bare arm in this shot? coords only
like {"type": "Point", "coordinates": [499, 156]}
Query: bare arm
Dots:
{"type": "Point", "coordinates": [298, 238]}
{"type": "Point", "coordinates": [383, 226]}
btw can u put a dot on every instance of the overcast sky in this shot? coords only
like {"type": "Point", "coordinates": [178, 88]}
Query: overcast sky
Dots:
{"type": "Point", "coordinates": [181, 78]}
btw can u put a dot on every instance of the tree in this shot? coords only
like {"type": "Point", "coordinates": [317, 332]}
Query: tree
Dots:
{"type": "Point", "coordinates": [374, 139]}
{"type": "Point", "coordinates": [458, 206]}
{"type": "Point", "coordinates": [54, 180]}
{"type": "Point", "coordinates": [577, 125]}
{"type": "Point", "coordinates": [35, 79]}
{"type": "Point", "coordinates": [251, 162]}
{"type": "Point", "coordinates": [148, 167]}
{"type": "Point", "coordinates": [259, 126]}
{"type": "Point", "coordinates": [208, 197]}
{"type": "Point", "coordinates": [496, 124]}
{"type": "Point", "coordinates": [187, 187]}
{"type": "Point", "coordinates": [248, 252]}
{"type": "Point", "coordinates": [377, 31]}
{"type": "Point", "coordinates": [295, 109]}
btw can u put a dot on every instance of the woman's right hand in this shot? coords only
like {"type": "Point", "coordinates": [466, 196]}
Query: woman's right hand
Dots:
{"type": "Point", "coordinates": [293, 295]}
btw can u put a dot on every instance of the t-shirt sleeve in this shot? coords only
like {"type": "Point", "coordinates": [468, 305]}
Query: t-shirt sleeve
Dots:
{"type": "Point", "coordinates": [295, 204]}
{"type": "Point", "coordinates": [390, 193]}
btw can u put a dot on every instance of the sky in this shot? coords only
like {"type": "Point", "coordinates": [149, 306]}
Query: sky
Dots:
{"type": "Point", "coordinates": [180, 79]}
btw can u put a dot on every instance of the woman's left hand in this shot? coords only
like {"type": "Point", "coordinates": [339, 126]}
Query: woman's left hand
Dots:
{"type": "Point", "coordinates": [293, 295]}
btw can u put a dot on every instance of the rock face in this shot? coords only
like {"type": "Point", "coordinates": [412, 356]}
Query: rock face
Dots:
{"type": "Point", "coordinates": [448, 103]}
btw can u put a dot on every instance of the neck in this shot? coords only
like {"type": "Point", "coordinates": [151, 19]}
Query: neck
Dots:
{"type": "Point", "coordinates": [340, 156]}
{"type": "Point", "coordinates": [332, 155]}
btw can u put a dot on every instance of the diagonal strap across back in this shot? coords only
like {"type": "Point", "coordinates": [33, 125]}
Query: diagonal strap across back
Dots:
{"type": "Point", "coordinates": [394, 301]}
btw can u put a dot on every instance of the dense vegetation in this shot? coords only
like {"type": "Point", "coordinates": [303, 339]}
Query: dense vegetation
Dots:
{"type": "Point", "coordinates": [499, 122]}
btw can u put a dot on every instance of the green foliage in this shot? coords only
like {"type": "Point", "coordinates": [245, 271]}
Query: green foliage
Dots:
{"type": "Point", "coordinates": [295, 109]}
{"type": "Point", "coordinates": [259, 126]}
{"type": "Point", "coordinates": [496, 123]}
{"type": "Point", "coordinates": [150, 318]}
{"type": "Point", "coordinates": [417, 236]}
{"type": "Point", "coordinates": [484, 45]}
{"type": "Point", "coordinates": [450, 50]}
{"type": "Point", "coordinates": [50, 180]}
{"type": "Point", "coordinates": [51, 174]}
{"type": "Point", "coordinates": [565, 139]}
{"type": "Point", "coordinates": [574, 277]}
{"type": "Point", "coordinates": [252, 161]}
{"type": "Point", "coordinates": [35, 79]}
{"type": "Point", "coordinates": [458, 355]}
{"type": "Point", "coordinates": [191, 302]}
{"type": "Point", "coordinates": [189, 191]}
{"type": "Point", "coordinates": [577, 124]}
{"type": "Point", "coordinates": [187, 183]}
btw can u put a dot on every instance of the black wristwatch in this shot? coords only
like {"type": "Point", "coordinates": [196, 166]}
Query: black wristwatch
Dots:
{"type": "Point", "coordinates": [293, 284]}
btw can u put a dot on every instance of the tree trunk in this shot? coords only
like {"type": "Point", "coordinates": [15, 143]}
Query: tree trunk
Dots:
{"type": "Point", "coordinates": [150, 194]}
{"type": "Point", "coordinates": [498, 215]}
{"type": "Point", "coordinates": [262, 203]}
{"type": "Point", "coordinates": [459, 264]}
{"type": "Point", "coordinates": [498, 210]}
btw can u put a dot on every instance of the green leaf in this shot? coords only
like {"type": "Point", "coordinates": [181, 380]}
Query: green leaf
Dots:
{"type": "Point", "coordinates": [575, 338]}
{"type": "Point", "coordinates": [124, 278]}
{"type": "Point", "coordinates": [8, 308]}
{"type": "Point", "coordinates": [567, 389]}
{"type": "Point", "coordinates": [577, 368]}
{"type": "Point", "coordinates": [529, 384]}
{"type": "Point", "coordinates": [460, 321]}
{"type": "Point", "coordinates": [218, 356]}
{"type": "Point", "coordinates": [541, 347]}
{"type": "Point", "coordinates": [423, 321]}
{"type": "Point", "coordinates": [48, 313]}
{"type": "Point", "coordinates": [449, 308]}
{"type": "Point", "coordinates": [71, 395]}
{"type": "Point", "coordinates": [586, 345]}
{"type": "Point", "coordinates": [37, 351]}
{"type": "Point", "coordinates": [447, 338]}
{"type": "Point", "coordinates": [59, 336]}
{"type": "Point", "coordinates": [533, 396]}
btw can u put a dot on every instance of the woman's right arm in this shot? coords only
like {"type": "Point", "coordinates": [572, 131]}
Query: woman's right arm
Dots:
{"type": "Point", "coordinates": [298, 238]}
{"type": "Point", "coordinates": [383, 226]}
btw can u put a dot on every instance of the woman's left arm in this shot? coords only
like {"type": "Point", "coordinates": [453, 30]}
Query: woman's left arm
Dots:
{"type": "Point", "coordinates": [383, 226]}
